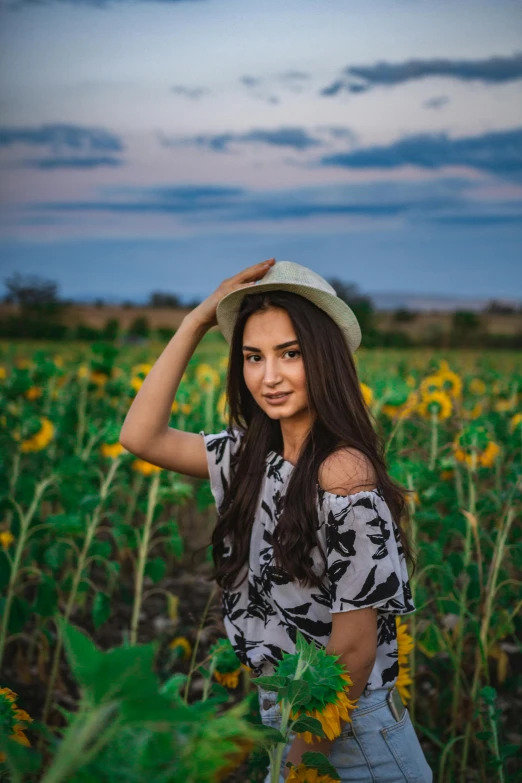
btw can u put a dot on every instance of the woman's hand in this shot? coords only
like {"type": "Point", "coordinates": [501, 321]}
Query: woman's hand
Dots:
{"type": "Point", "coordinates": [205, 313]}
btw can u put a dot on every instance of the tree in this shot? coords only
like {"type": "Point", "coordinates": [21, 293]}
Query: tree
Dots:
{"type": "Point", "coordinates": [161, 299]}
{"type": "Point", "coordinates": [361, 305]}
{"type": "Point", "coordinates": [34, 294]}
{"type": "Point", "coordinates": [139, 327]}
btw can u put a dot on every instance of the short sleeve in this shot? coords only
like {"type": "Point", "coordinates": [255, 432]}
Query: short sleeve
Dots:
{"type": "Point", "coordinates": [221, 448]}
{"type": "Point", "coordinates": [366, 563]}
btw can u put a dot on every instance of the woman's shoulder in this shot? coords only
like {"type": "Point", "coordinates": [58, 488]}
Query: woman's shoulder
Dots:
{"type": "Point", "coordinates": [347, 471]}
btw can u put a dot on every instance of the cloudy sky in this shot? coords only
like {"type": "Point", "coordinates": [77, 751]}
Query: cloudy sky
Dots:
{"type": "Point", "coordinates": [148, 145]}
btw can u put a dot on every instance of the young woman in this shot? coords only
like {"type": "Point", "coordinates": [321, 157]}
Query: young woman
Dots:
{"type": "Point", "coordinates": [309, 533]}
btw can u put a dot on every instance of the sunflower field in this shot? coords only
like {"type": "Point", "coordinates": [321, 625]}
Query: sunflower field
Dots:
{"type": "Point", "coordinates": [114, 663]}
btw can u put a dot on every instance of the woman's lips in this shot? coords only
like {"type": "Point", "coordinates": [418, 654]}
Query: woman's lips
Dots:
{"type": "Point", "coordinates": [278, 400]}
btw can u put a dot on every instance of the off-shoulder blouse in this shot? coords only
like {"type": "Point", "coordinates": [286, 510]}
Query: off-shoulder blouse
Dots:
{"type": "Point", "coordinates": [365, 567]}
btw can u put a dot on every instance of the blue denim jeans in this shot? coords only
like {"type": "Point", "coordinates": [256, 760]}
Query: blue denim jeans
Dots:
{"type": "Point", "coordinates": [373, 748]}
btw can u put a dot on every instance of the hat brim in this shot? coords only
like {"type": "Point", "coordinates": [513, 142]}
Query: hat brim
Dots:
{"type": "Point", "coordinates": [228, 308]}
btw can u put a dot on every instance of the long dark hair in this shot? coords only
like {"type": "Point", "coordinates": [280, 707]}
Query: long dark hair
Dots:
{"type": "Point", "coordinates": [340, 418]}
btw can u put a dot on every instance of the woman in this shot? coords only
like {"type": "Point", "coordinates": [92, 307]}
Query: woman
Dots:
{"type": "Point", "coordinates": [309, 533]}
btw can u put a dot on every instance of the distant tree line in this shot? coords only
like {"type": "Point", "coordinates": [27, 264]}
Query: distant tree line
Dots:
{"type": "Point", "coordinates": [41, 314]}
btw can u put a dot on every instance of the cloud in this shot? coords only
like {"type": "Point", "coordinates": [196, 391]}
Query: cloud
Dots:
{"type": "Point", "coordinates": [498, 153]}
{"type": "Point", "coordinates": [444, 201]}
{"type": "Point", "coordinates": [295, 81]}
{"type": "Point", "coordinates": [437, 103]}
{"type": "Point", "coordinates": [295, 138]}
{"type": "Point", "coordinates": [361, 78]}
{"type": "Point", "coordinates": [255, 86]}
{"type": "Point", "coordinates": [71, 163]}
{"type": "Point", "coordinates": [67, 146]}
{"type": "Point", "coordinates": [13, 4]}
{"type": "Point", "coordinates": [189, 92]}
{"type": "Point", "coordinates": [56, 137]}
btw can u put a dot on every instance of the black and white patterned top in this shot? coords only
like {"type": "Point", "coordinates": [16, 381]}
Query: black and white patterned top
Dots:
{"type": "Point", "coordinates": [366, 567]}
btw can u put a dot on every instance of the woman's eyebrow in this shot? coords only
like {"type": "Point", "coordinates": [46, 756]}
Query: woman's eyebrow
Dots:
{"type": "Point", "coordinates": [276, 347]}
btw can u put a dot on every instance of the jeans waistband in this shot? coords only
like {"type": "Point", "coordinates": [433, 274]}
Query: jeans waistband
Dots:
{"type": "Point", "coordinates": [366, 703]}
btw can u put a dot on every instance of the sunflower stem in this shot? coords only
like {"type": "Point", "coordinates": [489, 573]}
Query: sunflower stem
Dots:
{"type": "Point", "coordinates": [434, 440]}
{"type": "Point", "coordinates": [142, 557]}
{"type": "Point", "coordinates": [25, 521]}
{"type": "Point", "coordinates": [89, 535]}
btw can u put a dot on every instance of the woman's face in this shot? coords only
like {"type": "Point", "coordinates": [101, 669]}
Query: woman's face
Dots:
{"type": "Point", "coordinates": [269, 368]}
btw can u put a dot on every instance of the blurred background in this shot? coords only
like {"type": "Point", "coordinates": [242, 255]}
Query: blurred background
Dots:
{"type": "Point", "coordinates": [151, 149]}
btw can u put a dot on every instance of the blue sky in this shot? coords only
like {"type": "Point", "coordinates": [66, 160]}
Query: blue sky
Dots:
{"type": "Point", "coordinates": [148, 145]}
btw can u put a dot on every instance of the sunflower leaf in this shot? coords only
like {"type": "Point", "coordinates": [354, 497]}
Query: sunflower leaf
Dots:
{"type": "Point", "coordinates": [298, 692]}
{"type": "Point", "coordinates": [268, 735]}
{"type": "Point", "coordinates": [319, 762]}
{"type": "Point", "coordinates": [307, 723]}
{"type": "Point", "coordinates": [271, 683]}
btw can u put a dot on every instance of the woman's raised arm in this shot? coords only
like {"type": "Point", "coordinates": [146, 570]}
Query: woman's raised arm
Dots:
{"type": "Point", "coordinates": [145, 431]}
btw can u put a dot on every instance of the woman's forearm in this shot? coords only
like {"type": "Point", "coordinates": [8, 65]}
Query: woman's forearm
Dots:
{"type": "Point", "coordinates": [149, 414]}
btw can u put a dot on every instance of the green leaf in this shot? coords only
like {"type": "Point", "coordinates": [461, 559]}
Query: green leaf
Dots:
{"type": "Point", "coordinates": [173, 685]}
{"type": "Point", "coordinates": [488, 694]}
{"type": "Point", "coordinates": [156, 569]}
{"type": "Point", "coordinates": [125, 673]}
{"type": "Point", "coordinates": [220, 693]}
{"type": "Point", "coordinates": [298, 692]}
{"type": "Point", "coordinates": [89, 502]}
{"type": "Point", "coordinates": [19, 615]}
{"type": "Point", "coordinates": [66, 524]}
{"type": "Point", "coordinates": [307, 723]}
{"type": "Point", "coordinates": [101, 609]}
{"type": "Point", "coordinates": [46, 601]}
{"type": "Point", "coordinates": [319, 762]}
{"type": "Point", "coordinates": [84, 657]}
{"type": "Point", "coordinates": [270, 736]}
{"type": "Point", "coordinates": [55, 555]}
{"type": "Point", "coordinates": [175, 543]}
{"type": "Point", "coordinates": [483, 735]}
{"type": "Point", "coordinates": [270, 683]}
{"type": "Point", "coordinates": [5, 570]}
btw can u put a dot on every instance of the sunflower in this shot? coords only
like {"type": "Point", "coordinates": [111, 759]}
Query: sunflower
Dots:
{"type": "Point", "coordinates": [181, 646]}
{"type": "Point", "coordinates": [477, 386]}
{"type": "Point", "coordinates": [226, 663]}
{"type": "Point", "coordinates": [474, 447]}
{"type": "Point", "coordinates": [435, 402]}
{"type": "Point", "coordinates": [329, 683]}
{"type": "Point", "coordinates": [145, 468]}
{"type": "Point", "coordinates": [33, 393]}
{"type": "Point", "coordinates": [405, 409]}
{"type": "Point", "coordinates": [141, 369]}
{"type": "Point", "coordinates": [405, 644]}
{"type": "Point", "coordinates": [331, 714]}
{"type": "Point", "coordinates": [98, 378]}
{"type": "Point", "coordinates": [136, 383]}
{"type": "Point", "coordinates": [112, 450]}
{"type": "Point", "coordinates": [13, 719]}
{"type": "Point", "coordinates": [41, 438]}
{"type": "Point", "coordinates": [304, 774]}
{"type": "Point", "coordinates": [451, 383]}
{"type": "Point", "coordinates": [228, 679]}
{"type": "Point", "coordinates": [367, 393]}
{"type": "Point", "coordinates": [515, 422]}
{"type": "Point", "coordinates": [6, 539]}
{"type": "Point", "coordinates": [474, 413]}
{"type": "Point", "coordinates": [207, 377]}
{"type": "Point", "coordinates": [505, 404]}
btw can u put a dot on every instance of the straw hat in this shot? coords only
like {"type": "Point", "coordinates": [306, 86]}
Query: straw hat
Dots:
{"type": "Point", "coordinates": [287, 276]}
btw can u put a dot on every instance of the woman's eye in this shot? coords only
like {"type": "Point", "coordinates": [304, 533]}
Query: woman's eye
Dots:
{"type": "Point", "coordinates": [256, 355]}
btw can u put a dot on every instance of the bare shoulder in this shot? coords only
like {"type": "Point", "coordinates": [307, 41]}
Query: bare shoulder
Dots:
{"type": "Point", "coordinates": [347, 471]}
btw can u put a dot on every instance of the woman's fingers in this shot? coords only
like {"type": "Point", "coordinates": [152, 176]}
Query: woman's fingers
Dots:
{"type": "Point", "coordinates": [255, 271]}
